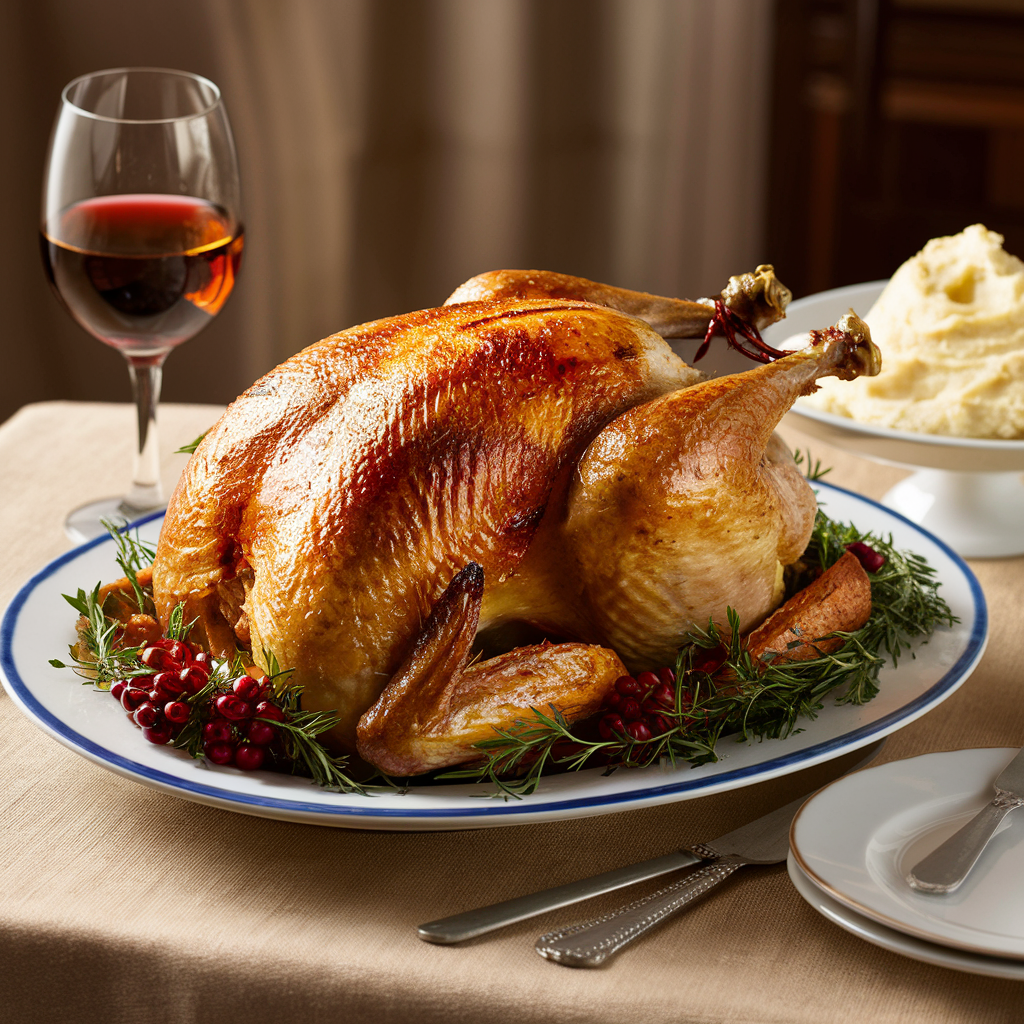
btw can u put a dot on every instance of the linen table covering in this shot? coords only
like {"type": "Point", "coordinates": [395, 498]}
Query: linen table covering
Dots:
{"type": "Point", "coordinates": [122, 904]}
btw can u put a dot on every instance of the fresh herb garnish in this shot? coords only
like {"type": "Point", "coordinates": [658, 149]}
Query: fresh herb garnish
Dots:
{"type": "Point", "coordinates": [189, 449]}
{"type": "Point", "coordinates": [814, 470]}
{"type": "Point", "coordinates": [99, 657]}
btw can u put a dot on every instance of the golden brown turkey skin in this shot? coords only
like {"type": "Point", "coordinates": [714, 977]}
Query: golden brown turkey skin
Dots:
{"type": "Point", "coordinates": [331, 506]}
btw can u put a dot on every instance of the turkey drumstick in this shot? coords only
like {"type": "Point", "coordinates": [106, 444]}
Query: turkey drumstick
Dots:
{"type": "Point", "coordinates": [689, 504]}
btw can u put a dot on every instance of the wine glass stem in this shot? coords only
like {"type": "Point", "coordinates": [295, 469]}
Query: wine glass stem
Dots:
{"type": "Point", "coordinates": [146, 492]}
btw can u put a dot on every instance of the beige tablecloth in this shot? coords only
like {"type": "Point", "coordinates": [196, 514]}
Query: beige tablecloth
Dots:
{"type": "Point", "coordinates": [122, 904]}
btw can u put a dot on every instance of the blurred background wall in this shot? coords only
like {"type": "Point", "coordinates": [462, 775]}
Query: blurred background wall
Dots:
{"type": "Point", "coordinates": [391, 149]}
{"type": "Point", "coordinates": [893, 121]}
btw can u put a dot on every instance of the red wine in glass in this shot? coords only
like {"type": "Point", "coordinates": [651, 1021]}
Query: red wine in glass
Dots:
{"type": "Point", "coordinates": [141, 235]}
{"type": "Point", "coordinates": [143, 273]}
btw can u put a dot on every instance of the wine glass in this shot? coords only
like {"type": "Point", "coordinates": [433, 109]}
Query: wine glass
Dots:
{"type": "Point", "coordinates": [141, 235]}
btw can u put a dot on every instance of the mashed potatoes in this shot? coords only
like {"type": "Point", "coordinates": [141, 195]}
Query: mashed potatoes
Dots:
{"type": "Point", "coordinates": [950, 326]}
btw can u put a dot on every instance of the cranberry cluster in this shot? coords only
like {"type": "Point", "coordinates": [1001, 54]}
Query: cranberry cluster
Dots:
{"type": "Point", "coordinates": [159, 704]}
{"type": "Point", "coordinates": [639, 709]}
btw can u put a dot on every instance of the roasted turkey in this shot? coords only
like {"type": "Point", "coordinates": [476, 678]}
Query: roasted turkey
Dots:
{"type": "Point", "coordinates": [401, 496]}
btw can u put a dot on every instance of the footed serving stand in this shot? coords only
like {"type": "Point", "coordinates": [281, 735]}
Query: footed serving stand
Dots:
{"type": "Point", "coordinates": [980, 515]}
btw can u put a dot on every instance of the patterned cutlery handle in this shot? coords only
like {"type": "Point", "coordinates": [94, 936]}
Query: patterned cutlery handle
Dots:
{"type": "Point", "coordinates": [591, 943]}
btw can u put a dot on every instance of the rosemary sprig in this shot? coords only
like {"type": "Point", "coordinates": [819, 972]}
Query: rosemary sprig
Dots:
{"type": "Point", "coordinates": [189, 449]}
{"type": "Point", "coordinates": [306, 752]}
{"type": "Point", "coordinates": [133, 555]}
{"type": "Point", "coordinates": [814, 470]}
{"type": "Point", "coordinates": [98, 657]}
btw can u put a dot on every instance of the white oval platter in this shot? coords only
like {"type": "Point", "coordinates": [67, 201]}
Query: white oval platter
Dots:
{"type": "Point", "coordinates": [38, 625]}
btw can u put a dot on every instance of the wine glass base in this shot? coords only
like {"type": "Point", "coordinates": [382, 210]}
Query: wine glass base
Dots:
{"type": "Point", "coordinates": [85, 522]}
{"type": "Point", "coordinates": [979, 515]}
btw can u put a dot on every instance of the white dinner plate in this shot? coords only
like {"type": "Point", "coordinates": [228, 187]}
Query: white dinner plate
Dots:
{"type": "Point", "coordinates": [38, 626]}
{"type": "Point", "coordinates": [906, 945]}
{"type": "Point", "coordinates": [859, 837]}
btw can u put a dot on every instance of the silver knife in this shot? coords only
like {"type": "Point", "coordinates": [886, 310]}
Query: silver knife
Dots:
{"type": "Point", "coordinates": [945, 868]}
{"type": "Point", "coordinates": [473, 923]}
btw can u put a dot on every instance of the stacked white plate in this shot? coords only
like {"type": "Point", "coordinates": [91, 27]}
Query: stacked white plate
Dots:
{"type": "Point", "coordinates": [853, 844]}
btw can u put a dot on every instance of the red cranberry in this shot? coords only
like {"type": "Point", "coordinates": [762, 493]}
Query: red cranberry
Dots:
{"type": "Point", "coordinates": [658, 724]}
{"type": "Point", "coordinates": [147, 715]}
{"type": "Point", "coordinates": [246, 688]}
{"type": "Point", "coordinates": [232, 707]}
{"type": "Point", "coordinates": [710, 659]}
{"type": "Point", "coordinates": [217, 730]}
{"type": "Point", "coordinates": [629, 709]}
{"type": "Point", "coordinates": [131, 698]}
{"type": "Point", "coordinates": [249, 757]}
{"type": "Point", "coordinates": [219, 753]}
{"type": "Point", "coordinates": [261, 733]}
{"type": "Point", "coordinates": [203, 660]}
{"type": "Point", "coordinates": [638, 731]}
{"type": "Point", "coordinates": [667, 676]}
{"type": "Point", "coordinates": [193, 678]}
{"type": "Point", "coordinates": [628, 687]}
{"type": "Point", "coordinates": [158, 658]}
{"type": "Point", "coordinates": [177, 712]}
{"type": "Point", "coordinates": [611, 727]}
{"type": "Point", "coordinates": [181, 652]}
{"type": "Point", "coordinates": [613, 700]}
{"type": "Point", "coordinates": [167, 684]}
{"type": "Point", "coordinates": [118, 688]}
{"type": "Point", "coordinates": [176, 650]}
{"type": "Point", "coordinates": [159, 733]}
{"type": "Point", "coordinates": [664, 694]}
{"type": "Point", "coordinates": [267, 710]}
{"type": "Point", "coordinates": [647, 680]}
{"type": "Point", "coordinates": [866, 555]}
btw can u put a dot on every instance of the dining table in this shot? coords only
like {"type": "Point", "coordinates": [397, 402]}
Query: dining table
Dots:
{"type": "Point", "coordinates": [124, 903]}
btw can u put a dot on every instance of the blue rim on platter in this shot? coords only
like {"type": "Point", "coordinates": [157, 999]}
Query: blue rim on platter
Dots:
{"type": "Point", "coordinates": [466, 806]}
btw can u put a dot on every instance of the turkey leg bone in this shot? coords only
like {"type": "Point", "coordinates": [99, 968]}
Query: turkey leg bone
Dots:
{"type": "Point", "coordinates": [759, 298]}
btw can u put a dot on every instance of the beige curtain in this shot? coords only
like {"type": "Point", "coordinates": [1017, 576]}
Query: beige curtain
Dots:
{"type": "Point", "coordinates": [393, 148]}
